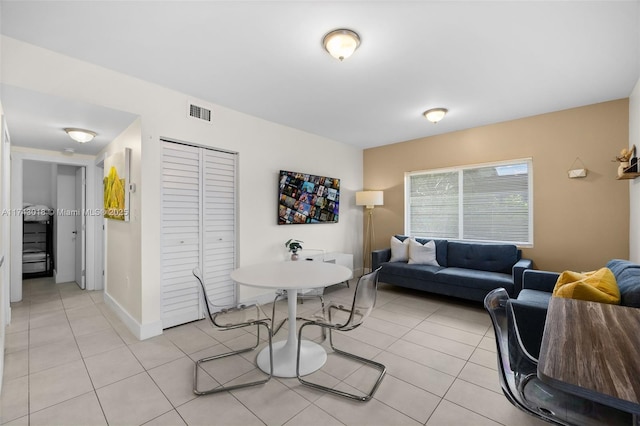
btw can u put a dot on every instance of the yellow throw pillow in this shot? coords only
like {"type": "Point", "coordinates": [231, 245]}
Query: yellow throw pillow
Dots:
{"type": "Point", "coordinates": [596, 286]}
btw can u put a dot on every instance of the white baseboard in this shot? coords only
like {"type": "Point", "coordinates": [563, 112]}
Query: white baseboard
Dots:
{"type": "Point", "coordinates": [141, 331]}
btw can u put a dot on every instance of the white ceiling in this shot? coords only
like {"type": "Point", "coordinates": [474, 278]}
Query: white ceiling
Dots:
{"type": "Point", "coordinates": [486, 62]}
{"type": "Point", "coordinates": [36, 120]}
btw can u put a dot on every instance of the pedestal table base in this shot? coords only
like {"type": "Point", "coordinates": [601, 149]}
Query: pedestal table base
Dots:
{"type": "Point", "coordinates": [312, 358]}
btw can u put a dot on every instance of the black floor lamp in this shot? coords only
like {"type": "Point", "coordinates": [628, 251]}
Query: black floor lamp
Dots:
{"type": "Point", "coordinates": [369, 199]}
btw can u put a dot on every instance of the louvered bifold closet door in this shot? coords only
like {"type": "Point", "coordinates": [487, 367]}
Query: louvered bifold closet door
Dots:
{"type": "Point", "coordinates": [219, 223]}
{"type": "Point", "coordinates": [181, 207]}
{"type": "Point", "coordinates": [198, 229]}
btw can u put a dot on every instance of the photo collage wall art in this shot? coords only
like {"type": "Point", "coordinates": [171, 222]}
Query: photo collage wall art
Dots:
{"type": "Point", "coordinates": [305, 198]}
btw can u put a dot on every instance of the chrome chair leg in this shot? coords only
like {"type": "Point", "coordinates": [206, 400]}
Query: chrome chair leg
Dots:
{"type": "Point", "coordinates": [277, 327]}
{"type": "Point", "coordinates": [362, 398]}
{"type": "Point", "coordinates": [222, 388]}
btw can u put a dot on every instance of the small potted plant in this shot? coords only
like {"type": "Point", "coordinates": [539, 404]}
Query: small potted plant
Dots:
{"type": "Point", "coordinates": [294, 246]}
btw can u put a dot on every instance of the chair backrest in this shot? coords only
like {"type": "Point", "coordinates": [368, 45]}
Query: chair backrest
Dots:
{"type": "Point", "coordinates": [364, 299]}
{"type": "Point", "coordinates": [198, 275]}
{"type": "Point", "coordinates": [517, 370]}
{"type": "Point", "coordinates": [496, 304]}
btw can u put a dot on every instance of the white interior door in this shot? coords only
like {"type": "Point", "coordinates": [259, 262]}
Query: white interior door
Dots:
{"type": "Point", "coordinates": [80, 227]}
{"type": "Point", "coordinates": [66, 231]}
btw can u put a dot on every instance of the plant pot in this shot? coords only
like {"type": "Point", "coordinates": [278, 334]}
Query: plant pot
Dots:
{"type": "Point", "coordinates": [294, 256]}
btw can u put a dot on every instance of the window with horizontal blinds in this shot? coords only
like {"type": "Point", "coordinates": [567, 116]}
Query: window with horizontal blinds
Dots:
{"type": "Point", "coordinates": [433, 204]}
{"type": "Point", "coordinates": [489, 202]}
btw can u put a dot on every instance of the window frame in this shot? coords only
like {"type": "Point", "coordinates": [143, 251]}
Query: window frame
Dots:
{"type": "Point", "coordinates": [459, 170]}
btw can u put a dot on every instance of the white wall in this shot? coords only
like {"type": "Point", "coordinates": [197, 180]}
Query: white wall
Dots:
{"type": "Point", "coordinates": [5, 309]}
{"type": "Point", "coordinates": [37, 183]}
{"type": "Point", "coordinates": [634, 185]}
{"type": "Point", "coordinates": [123, 273]}
{"type": "Point", "coordinates": [263, 147]}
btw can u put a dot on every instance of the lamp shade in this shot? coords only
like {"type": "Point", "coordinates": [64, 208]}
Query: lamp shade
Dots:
{"type": "Point", "coordinates": [369, 198]}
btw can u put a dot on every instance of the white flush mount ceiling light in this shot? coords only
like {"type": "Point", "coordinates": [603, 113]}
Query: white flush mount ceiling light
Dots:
{"type": "Point", "coordinates": [435, 114]}
{"type": "Point", "coordinates": [341, 43]}
{"type": "Point", "coordinates": [80, 135]}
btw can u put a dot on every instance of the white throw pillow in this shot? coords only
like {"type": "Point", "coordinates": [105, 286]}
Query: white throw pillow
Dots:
{"type": "Point", "coordinates": [399, 250]}
{"type": "Point", "coordinates": [424, 254]}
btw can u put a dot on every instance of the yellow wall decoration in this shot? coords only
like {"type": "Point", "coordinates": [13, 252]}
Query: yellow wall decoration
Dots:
{"type": "Point", "coordinates": [116, 186]}
{"type": "Point", "coordinates": [114, 195]}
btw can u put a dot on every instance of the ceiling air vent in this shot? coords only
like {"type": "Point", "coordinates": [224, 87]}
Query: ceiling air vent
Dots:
{"type": "Point", "coordinates": [198, 112]}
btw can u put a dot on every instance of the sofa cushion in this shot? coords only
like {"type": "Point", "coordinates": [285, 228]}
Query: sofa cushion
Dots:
{"type": "Point", "coordinates": [473, 278]}
{"type": "Point", "coordinates": [399, 249]}
{"type": "Point", "coordinates": [482, 257]}
{"type": "Point", "coordinates": [628, 278]}
{"type": "Point", "coordinates": [441, 247]}
{"type": "Point", "coordinates": [416, 271]}
{"type": "Point", "coordinates": [596, 286]}
{"type": "Point", "coordinates": [423, 254]}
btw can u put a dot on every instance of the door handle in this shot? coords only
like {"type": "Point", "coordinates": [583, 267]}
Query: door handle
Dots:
{"type": "Point", "coordinates": [74, 232]}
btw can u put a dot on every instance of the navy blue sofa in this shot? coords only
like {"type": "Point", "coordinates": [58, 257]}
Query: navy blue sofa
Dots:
{"type": "Point", "coordinates": [467, 270]}
{"type": "Point", "coordinates": [530, 306]}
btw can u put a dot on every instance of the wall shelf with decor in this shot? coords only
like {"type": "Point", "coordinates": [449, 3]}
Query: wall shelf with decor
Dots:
{"type": "Point", "coordinates": [628, 167]}
{"type": "Point", "coordinates": [628, 175]}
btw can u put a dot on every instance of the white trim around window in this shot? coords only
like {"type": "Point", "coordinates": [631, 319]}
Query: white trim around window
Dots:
{"type": "Point", "coordinates": [491, 202]}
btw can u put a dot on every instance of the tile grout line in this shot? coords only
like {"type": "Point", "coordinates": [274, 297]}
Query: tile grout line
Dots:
{"type": "Point", "coordinates": [95, 391]}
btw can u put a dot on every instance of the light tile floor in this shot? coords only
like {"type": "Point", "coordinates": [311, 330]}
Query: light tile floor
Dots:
{"type": "Point", "coordinates": [70, 361]}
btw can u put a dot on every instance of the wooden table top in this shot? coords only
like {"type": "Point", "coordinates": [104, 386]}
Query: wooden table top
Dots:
{"type": "Point", "coordinates": [593, 350]}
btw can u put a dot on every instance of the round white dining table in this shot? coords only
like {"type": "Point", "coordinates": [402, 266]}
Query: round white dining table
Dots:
{"type": "Point", "coordinates": [292, 276]}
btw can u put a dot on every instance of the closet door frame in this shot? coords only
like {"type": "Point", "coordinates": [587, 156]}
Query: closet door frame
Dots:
{"type": "Point", "coordinates": [202, 150]}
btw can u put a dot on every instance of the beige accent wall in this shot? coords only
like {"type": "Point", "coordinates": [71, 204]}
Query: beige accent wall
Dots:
{"type": "Point", "coordinates": [579, 224]}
